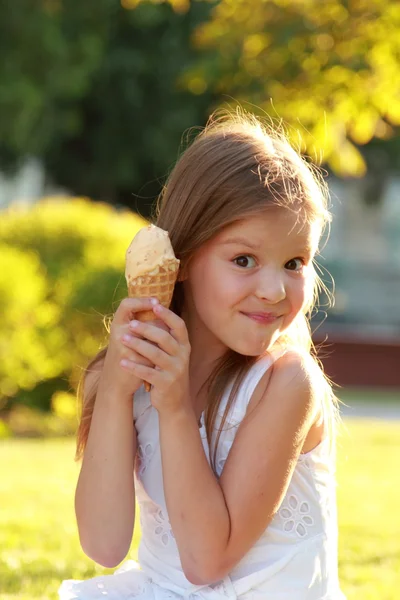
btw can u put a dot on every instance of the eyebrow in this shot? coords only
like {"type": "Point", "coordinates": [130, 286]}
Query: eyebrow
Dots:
{"type": "Point", "coordinates": [255, 246]}
{"type": "Point", "coordinates": [241, 240]}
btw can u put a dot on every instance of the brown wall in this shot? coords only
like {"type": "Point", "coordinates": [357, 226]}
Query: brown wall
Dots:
{"type": "Point", "coordinates": [359, 362]}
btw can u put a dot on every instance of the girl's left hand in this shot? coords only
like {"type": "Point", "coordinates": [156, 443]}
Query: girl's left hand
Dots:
{"type": "Point", "coordinates": [169, 352]}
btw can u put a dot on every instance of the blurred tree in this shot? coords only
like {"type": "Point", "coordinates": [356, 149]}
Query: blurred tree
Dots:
{"type": "Point", "coordinates": [134, 114]}
{"type": "Point", "coordinates": [330, 70]}
{"type": "Point", "coordinates": [382, 158]}
{"type": "Point", "coordinates": [91, 89]}
{"type": "Point", "coordinates": [49, 56]}
{"type": "Point", "coordinates": [102, 91]}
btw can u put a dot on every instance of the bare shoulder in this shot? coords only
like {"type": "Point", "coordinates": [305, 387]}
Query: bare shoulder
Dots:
{"type": "Point", "coordinates": [293, 376]}
{"type": "Point", "coordinates": [298, 380]}
{"type": "Point", "coordinates": [290, 389]}
{"type": "Point", "coordinates": [296, 369]}
{"type": "Point", "coordinates": [288, 393]}
{"type": "Point", "coordinates": [266, 448]}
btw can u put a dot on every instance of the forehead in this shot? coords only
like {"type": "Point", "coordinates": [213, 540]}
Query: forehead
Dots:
{"type": "Point", "coordinates": [275, 227]}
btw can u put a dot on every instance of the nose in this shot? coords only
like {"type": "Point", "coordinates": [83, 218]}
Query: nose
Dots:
{"type": "Point", "coordinates": [271, 286]}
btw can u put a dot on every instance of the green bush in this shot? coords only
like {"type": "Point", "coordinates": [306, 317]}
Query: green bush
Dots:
{"type": "Point", "coordinates": [23, 421]}
{"type": "Point", "coordinates": [62, 272]}
{"type": "Point", "coordinates": [5, 431]}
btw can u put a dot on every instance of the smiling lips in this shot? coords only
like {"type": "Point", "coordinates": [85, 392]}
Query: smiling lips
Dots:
{"type": "Point", "coordinates": [262, 317]}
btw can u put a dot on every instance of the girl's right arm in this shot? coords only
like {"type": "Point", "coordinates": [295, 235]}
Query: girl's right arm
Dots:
{"type": "Point", "coordinates": [105, 493]}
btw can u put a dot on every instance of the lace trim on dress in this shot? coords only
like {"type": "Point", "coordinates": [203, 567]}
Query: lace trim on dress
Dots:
{"type": "Point", "coordinates": [295, 514]}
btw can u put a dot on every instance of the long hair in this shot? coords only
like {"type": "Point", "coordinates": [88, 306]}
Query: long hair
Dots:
{"type": "Point", "coordinates": [236, 167]}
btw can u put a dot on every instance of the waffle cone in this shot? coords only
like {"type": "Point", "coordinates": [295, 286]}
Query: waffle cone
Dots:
{"type": "Point", "coordinates": [158, 283]}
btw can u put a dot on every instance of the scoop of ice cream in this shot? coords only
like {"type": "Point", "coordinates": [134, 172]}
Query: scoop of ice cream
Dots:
{"type": "Point", "coordinates": [150, 248]}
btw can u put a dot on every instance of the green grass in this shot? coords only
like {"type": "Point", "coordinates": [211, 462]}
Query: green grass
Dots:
{"type": "Point", "coordinates": [39, 543]}
{"type": "Point", "coordinates": [368, 499]}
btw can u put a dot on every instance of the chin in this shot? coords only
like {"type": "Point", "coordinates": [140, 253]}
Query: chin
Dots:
{"type": "Point", "coordinates": [253, 349]}
{"type": "Point", "coordinates": [249, 346]}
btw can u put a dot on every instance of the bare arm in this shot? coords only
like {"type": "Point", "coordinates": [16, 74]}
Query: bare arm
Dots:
{"type": "Point", "coordinates": [105, 493]}
{"type": "Point", "coordinates": [216, 522]}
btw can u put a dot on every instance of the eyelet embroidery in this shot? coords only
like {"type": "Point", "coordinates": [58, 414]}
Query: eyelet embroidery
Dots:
{"type": "Point", "coordinates": [163, 528]}
{"type": "Point", "coordinates": [145, 452]}
{"type": "Point", "coordinates": [296, 516]}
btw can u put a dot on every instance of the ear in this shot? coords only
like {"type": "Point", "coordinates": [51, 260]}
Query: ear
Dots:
{"type": "Point", "coordinates": [183, 271]}
{"type": "Point", "coordinates": [181, 275]}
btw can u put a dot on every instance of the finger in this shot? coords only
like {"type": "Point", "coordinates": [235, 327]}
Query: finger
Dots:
{"type": "Point", "coordinates": [176, 325]}
{"type": "Point", "coordinates": [146, 373]}
{"type": "Point", "coordinates": [135, 357]}
{"type": "Point", "coordinates": [155, 334]}
{"type": "Point", "coordinates": [150, 351]}
{"type": "Point", "coordinates": [130, 306]}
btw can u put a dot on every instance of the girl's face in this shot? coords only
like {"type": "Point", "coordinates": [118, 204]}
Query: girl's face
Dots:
{"type": "Point", "coordinates": [245, 287]}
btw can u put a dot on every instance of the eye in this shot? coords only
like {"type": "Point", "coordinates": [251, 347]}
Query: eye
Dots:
{"type": "Point", "coordinates": [295, 264]}
{"type": "Point", "coordinates": [245, 259]}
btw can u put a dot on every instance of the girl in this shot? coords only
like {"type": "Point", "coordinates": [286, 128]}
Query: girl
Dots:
{"type": "Point", "coordinates": [233, 448]}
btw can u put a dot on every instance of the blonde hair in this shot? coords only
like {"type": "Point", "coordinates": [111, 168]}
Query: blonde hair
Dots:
{"type": "Point", "coordinates": [236, 167]}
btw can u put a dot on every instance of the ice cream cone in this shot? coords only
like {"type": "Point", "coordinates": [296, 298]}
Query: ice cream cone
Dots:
{"type": "Point", "coordinates": [154, 274]}
{"type": "Point", "coordinates": [158, 283]}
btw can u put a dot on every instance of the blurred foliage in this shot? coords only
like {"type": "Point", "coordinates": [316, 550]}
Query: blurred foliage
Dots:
{"type": "Point", "coordinates": [63, 404]}
{"type": "Point", "coordinates": [330, 70]}
{"type": "Point", "coordinates": [24, 421]}
{"type": "Point", "coordinates": [5, 431]}
{"type": "Point", "coordinates": [52, 53]}
{"type": "Point", "coordinates": [62, 273]}
{"type": "Point", "coordinates": [179, 6]}
{"type": "Point", "coordinates": [102, 90]}
{"type": "Point", "coordinates": [90, 88]}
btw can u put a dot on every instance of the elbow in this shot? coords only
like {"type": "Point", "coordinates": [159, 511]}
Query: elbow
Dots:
{"type": "Point", "coordinates": [107, 559]}
{"type": "Point", "coordinates": [193, 577]}
{"type": "Point", "coordinates": [205, 573]}
{"type": "Point", "coordinates": [106, 546]}
{"type": "Point", "coordinates": [106, 556]}
{"type": "Point", "coordinates": [108, 562]}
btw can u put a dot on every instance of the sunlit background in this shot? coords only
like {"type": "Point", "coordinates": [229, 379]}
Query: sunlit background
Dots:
{"type": "Point", "coordinates": [96, 100]}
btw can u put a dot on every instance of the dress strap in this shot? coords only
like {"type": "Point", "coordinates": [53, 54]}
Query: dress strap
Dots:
{"type": "Point", "coordinates": [249, 384]}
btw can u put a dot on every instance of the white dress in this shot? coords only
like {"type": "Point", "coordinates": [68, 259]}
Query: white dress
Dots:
{"type": "Point", "coordinates": [294, 559]}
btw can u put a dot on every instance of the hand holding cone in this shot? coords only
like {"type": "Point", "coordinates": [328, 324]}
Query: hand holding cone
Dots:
{"type": "Point", "coordinates": [151, 270]}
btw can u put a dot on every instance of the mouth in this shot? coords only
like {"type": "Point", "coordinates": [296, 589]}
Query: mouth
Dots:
{"type": "Point", "coordinates": [263, 318]}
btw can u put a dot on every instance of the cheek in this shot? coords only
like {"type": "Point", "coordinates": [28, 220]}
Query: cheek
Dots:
{"type": "Point", "coordinates": [301, 298]}
{"type": "Point", "coordinates": [209, 292]}
{"type": "Point", "coordinates": [308, 291]}
{"type": "Point", "coordinates": [298, 297]}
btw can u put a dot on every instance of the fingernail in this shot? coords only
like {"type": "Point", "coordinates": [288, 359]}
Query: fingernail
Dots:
{"type": "Point", "coordinates": [134, 324]}
{"type": "Point", "coordinates": [154, 301]}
